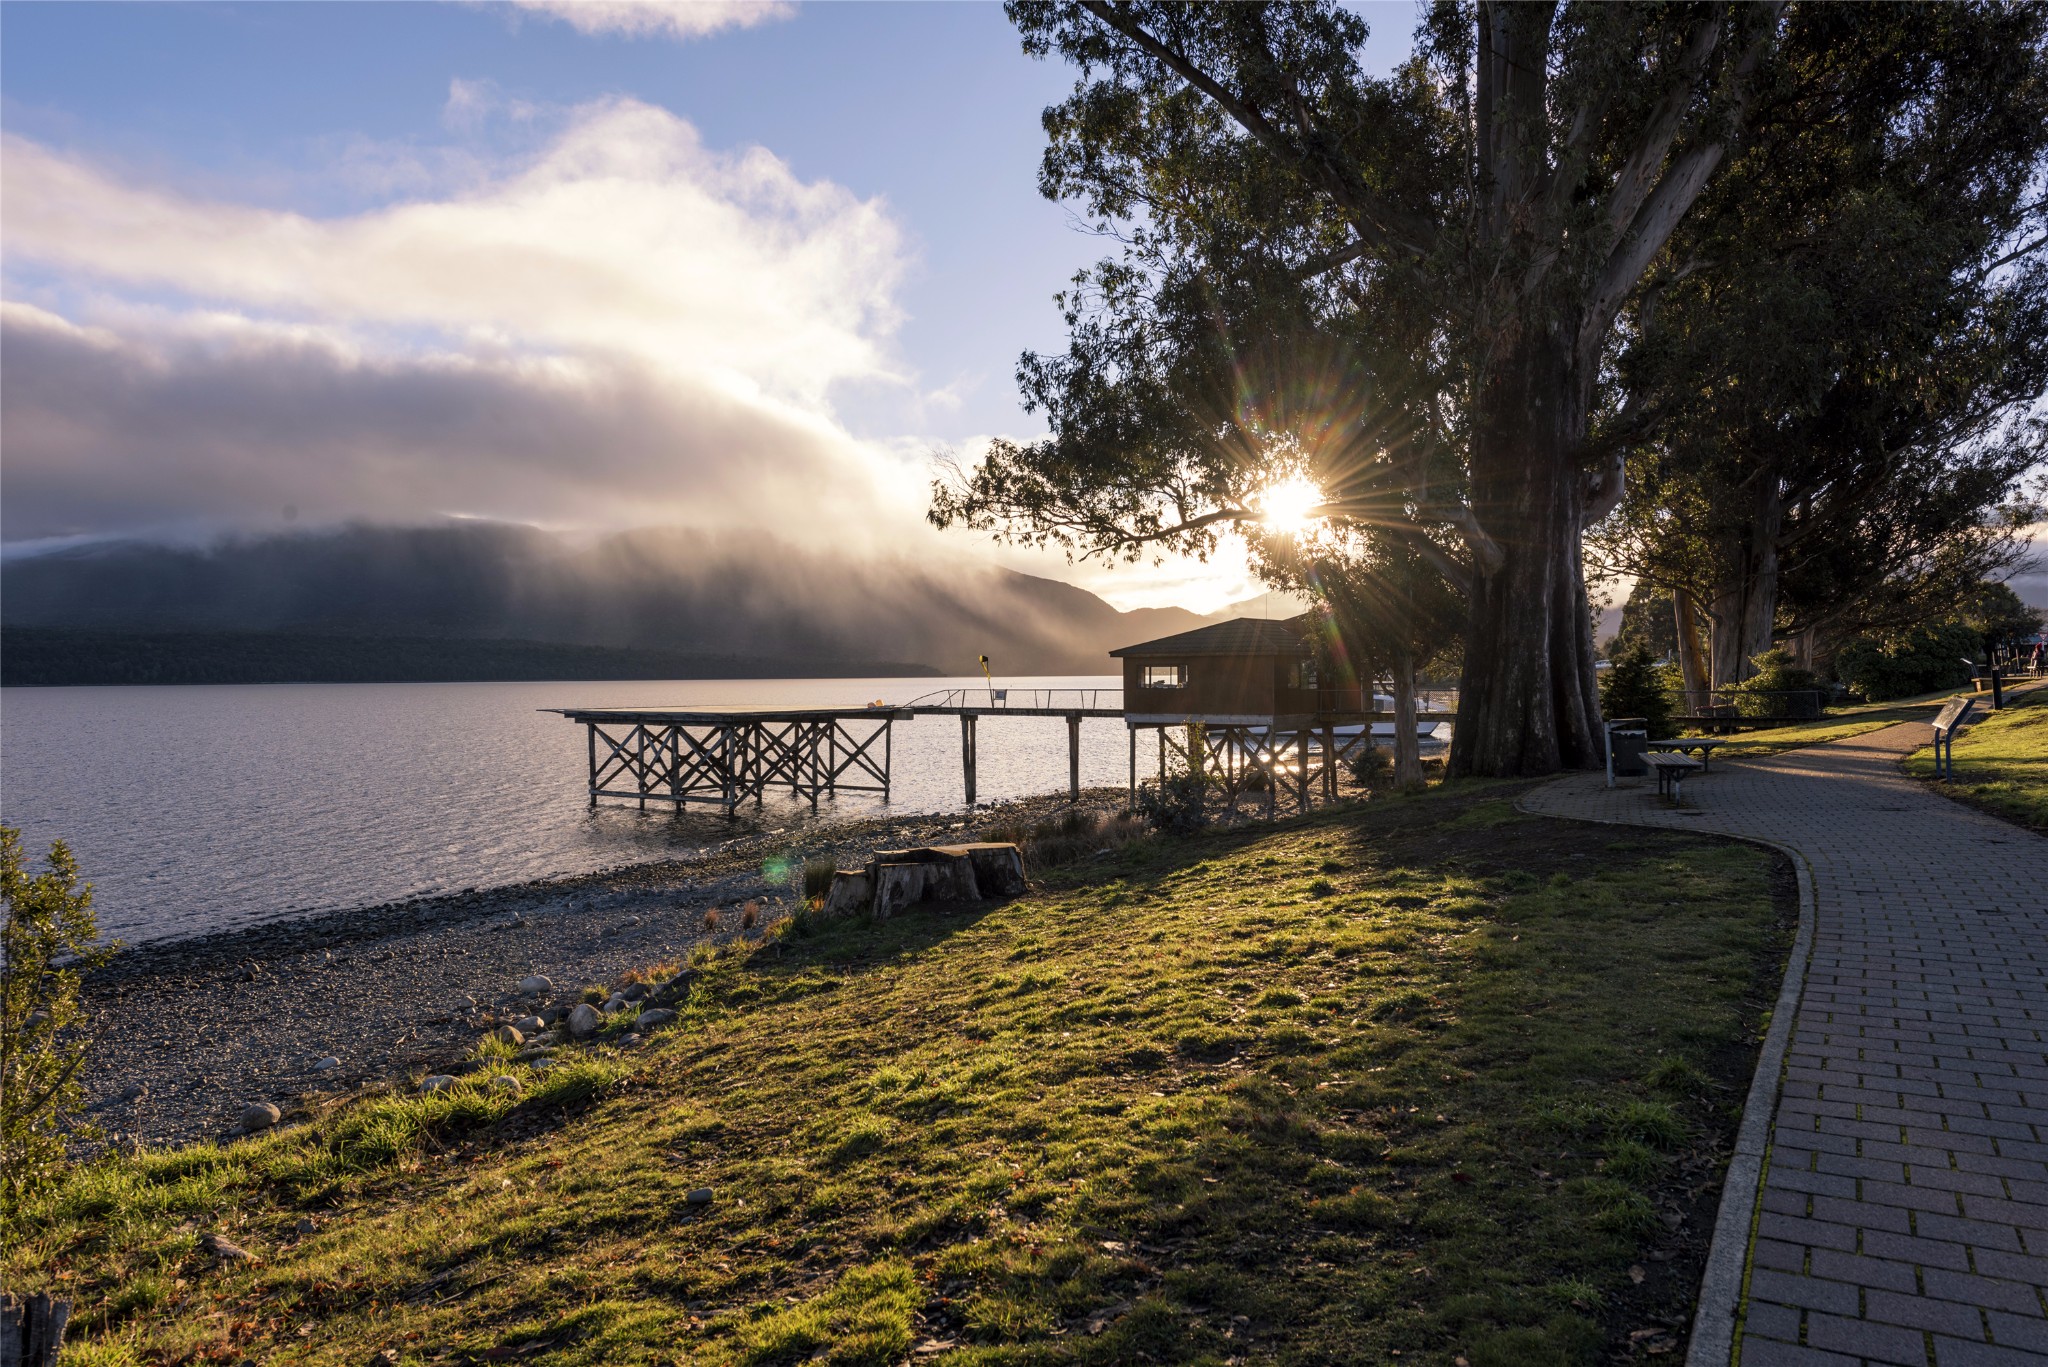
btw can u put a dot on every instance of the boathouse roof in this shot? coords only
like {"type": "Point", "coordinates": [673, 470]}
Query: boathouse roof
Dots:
{"type": "Point", "coordinates": [1238, 636]}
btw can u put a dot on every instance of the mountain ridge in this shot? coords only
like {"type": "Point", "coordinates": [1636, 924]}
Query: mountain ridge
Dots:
{"type": "Point", "coordinates": [681, 594]}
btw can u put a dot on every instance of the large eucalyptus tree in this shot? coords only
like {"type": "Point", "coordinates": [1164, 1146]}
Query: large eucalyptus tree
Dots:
{"type": "Point", "coordinates": [1834, 365]}
{"type": "Point", "coordinates": [1402, 289]}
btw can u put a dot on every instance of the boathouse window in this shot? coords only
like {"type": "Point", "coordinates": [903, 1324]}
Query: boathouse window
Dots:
{"type": "Point", "coordinates": [1305, 675]}
{"type": "Point", "coordinates": [1166, 676]}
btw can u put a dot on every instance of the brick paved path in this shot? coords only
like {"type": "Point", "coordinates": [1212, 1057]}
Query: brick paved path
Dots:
{"type": "Point", "coordinates": [1904, 1212]}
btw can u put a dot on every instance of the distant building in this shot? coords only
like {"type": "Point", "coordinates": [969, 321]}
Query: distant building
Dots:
{"type": "Point", "coordinates": [1244, 672]}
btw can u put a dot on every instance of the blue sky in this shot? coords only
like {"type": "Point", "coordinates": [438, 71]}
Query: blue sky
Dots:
{"type": "Point", "coordinates": [760, 271]}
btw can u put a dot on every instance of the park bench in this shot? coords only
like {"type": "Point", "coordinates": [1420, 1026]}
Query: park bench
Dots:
{"type": "Point", "coordinates": [1671, 771]}
{"type": "Point", "coordinates": [1682, 745]}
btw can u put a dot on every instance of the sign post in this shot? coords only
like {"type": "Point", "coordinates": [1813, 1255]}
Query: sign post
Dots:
{"type": "Point", "coordinates": [1954, 713]}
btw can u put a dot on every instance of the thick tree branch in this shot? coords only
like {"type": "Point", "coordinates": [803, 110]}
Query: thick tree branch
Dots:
{"type": "Point", "coordinates": [1487, 554]}
{"type": "Point", "coordinates": [1371, 216]}
{"type": "Point", "coordinates": [1124, 540]}
{"type": "Point", "coordinates": [1651, 226]}
{"type": "Point", "coordinates": [1457, 574]}
{"type": "Point", "coordinates": [1633, 185]}
{"type": "Point", "coordinates": [2028, 250]}
{"type": "Point", "coordinates": [1605, 488]}
{"type": "Point", "coordinates": [1328, 261]}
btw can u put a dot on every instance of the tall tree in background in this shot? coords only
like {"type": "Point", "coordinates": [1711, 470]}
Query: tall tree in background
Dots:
{"type": "Point", "coordinates": [1460, 236]}
{"type": "Point", "coordinates": [1834, 357]}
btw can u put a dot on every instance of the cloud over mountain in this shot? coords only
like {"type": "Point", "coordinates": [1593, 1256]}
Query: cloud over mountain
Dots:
{"type": "Point", "coordinates": [707, 592]}
{"type": "Point", "coordinates": [622, 327]}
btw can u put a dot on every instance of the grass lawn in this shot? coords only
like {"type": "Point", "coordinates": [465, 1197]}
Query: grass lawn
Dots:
{"type": "Point", "coordinates": [1425, 1081]}
{"type": "Point", "coordinates": [2002, 761]}
{"type": "Point", "coordinates": [1839, 724]}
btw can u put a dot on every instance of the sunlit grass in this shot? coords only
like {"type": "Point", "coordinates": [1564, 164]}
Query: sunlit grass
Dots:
{"type": "Point", "coordinates": [1426, 1075]}
{"type": "Point", "coordinates": [2002, 761]}
{"type": "Point", "coordinates": [1839, 724]}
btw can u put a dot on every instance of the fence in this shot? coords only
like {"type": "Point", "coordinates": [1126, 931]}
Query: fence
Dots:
{"type": "Point", "coordinates": [1738, 704]}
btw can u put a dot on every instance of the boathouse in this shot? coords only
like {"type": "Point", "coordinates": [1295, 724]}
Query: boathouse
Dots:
{"type": "Point", "coordinates": [1244, 672]}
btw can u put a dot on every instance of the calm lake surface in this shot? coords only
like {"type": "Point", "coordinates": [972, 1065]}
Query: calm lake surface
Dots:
{"type": "Point", "coordinates": [200, 808]}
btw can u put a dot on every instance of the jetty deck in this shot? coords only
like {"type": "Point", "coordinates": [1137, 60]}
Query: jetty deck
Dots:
{"type": "Point", "coordinates": [723, 757]}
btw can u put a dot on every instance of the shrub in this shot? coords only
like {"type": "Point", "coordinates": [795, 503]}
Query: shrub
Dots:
{"type": "Point", "coordinates": [1635, 687]}
{"type": "Point", "coordinates": [1175, 804]}
{"type": "Point", "coordinates": [1372, 767]}
{"type": "Point", "coordinates": [1069, 836]}
{"type": "Point", "coordinates": [1919, 660]}
{"type": "Point", "coordinates": [48, 941]}
{"type": "Point", "coordinates": [1762, 694]}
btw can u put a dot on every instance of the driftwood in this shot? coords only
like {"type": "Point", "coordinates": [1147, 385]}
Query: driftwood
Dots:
{"type": "Point", "coordinates": [895, 879]}
{"type": "Point", "coordinates": [32, 1330]}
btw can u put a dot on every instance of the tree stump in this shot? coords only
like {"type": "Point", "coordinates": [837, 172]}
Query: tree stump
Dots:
{"type": "Point", "coordinates": [32, 1330]}
{"type": "Point", "coordinates": [895, 879]}
{"type": "Point", "coordinates": [851, 893]}
{"type": "Point", "coordinates": [998, 868]}
{"type": "Point", "coordinates": [896, 887]}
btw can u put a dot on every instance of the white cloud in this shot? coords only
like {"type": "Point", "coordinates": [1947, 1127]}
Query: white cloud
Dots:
{"type": "Point", "coordinates": [471, 102]}
{"type": "Point", "coordinates": [614, 327]}
{"type": "Point", "coordinates": [659, 18]}
{"type": "Point", "coordinates": [203, 423]}
{"type": "Point", "coordinates": [621, 328]}
{"type": "Point", "coordinates": [623, 234]}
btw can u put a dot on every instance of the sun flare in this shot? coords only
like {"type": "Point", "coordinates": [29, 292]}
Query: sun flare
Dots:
{"type": "Point", "coordinates": [1285, 507]}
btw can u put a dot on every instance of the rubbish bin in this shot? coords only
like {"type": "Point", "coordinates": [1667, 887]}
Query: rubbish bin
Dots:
{"type": "Point", "coordinates": [1628, 740]}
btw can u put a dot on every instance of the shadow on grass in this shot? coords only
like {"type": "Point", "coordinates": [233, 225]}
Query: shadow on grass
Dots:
{"type": "Point", "coordinates": [1424, 1075]}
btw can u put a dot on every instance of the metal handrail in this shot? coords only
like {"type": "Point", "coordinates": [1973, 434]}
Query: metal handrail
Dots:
{"type": "Point", "coordinates": [1077, 699]}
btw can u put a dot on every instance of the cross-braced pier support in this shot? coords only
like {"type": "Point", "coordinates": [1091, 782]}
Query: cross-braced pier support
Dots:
{"type": "Point", "coordinates": [1286, 766]}
{"type": "Point", "coordinates": [723, 759]}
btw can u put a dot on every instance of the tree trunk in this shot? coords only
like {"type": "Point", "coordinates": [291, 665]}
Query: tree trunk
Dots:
{"type": "Point", "coordinates": [1407, 751]}
{"type": "Point", "coordinates": [1744, 610]}
{"type": "Point", "coordinates": [32, 1330]}
{"type": "Point", "coordinates": [1692, 651]}
{"type": "Point", "coordinates": [1529, 701]}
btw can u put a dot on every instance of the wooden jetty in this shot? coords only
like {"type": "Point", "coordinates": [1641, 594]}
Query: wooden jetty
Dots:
{"type": "Point", "coordinates": [1074, 704]}
{"type": "Point", "coordinates": [1247, 693]}
{"type": "Point", "coordinates": [722, 758]}
{"type": "Point", "coordinates": [725, 757]}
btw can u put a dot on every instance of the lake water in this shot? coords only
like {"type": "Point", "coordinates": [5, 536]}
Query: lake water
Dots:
{"type": "Point", "coordinates": [199, 808]}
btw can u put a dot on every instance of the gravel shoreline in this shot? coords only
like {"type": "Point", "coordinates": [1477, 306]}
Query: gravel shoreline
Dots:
{"type": "Point", "coordinates": [189, 1032]}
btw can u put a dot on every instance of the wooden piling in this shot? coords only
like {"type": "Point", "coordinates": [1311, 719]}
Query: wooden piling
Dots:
{"type": "Point", "coordinates": [1329, 762]}
{"type": "Point", "coordinates": [967, 755]}
{"type": "Point", "coordinates": [1074, 756]}
{"type": "Point", "coordinates": [1301, 767]}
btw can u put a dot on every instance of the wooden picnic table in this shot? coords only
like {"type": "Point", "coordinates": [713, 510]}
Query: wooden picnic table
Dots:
{"type": "Point", "coordinates": [1680, 745]}
{"type": "Point", "coordinates": [1671, 771]}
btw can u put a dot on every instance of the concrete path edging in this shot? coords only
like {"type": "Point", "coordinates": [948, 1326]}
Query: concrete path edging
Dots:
{"type": "Point", "coordinates": [1712, 1341]}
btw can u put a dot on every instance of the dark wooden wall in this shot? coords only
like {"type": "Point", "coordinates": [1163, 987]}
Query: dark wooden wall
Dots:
{"type": "Point", "coordinates": [1219, 686]}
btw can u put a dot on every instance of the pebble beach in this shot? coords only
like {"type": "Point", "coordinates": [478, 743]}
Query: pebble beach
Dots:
{"type": "Point", "coordinates": [189, 1034]}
